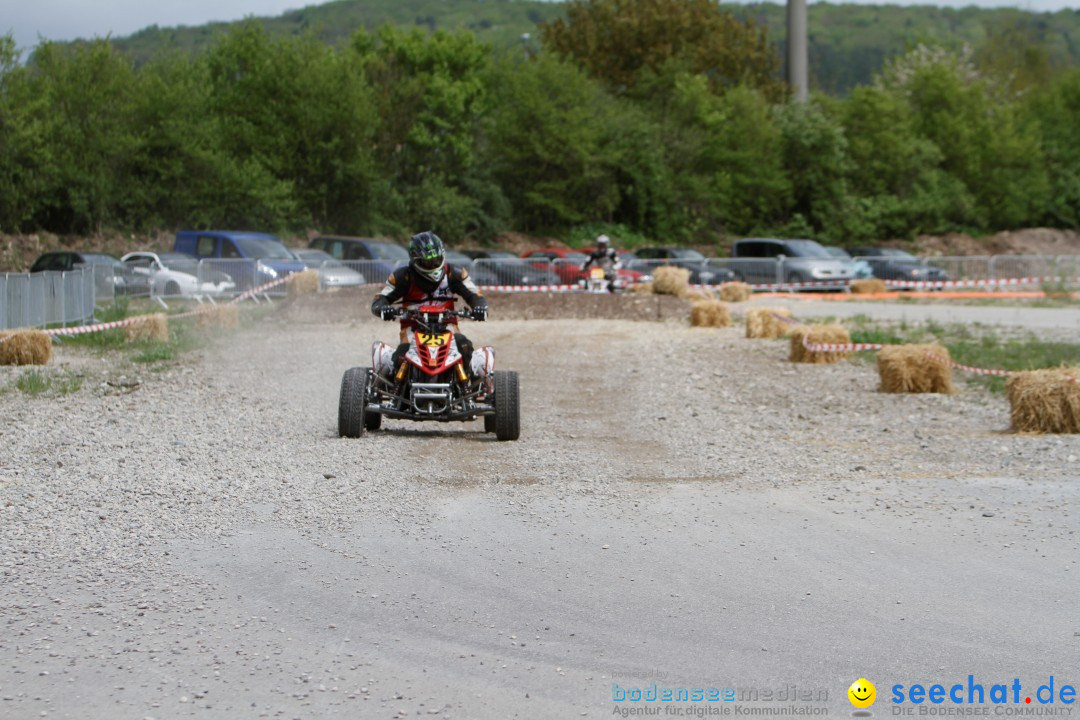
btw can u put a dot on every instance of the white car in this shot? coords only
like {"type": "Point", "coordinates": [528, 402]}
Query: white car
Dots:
{"type": "Point", "coordinates": [333, 272]}
{"type": "Point", "coordinates": [176, 275]}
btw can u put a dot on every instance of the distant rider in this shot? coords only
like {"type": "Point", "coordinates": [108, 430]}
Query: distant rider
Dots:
{"type": "Point", "coordinates": [606, 258]}
{"type": "Point", "coordinates": [429, 279]}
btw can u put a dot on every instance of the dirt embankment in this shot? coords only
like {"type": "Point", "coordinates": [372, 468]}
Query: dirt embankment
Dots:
{"type": "Point", "coordinates": [1031, 241]}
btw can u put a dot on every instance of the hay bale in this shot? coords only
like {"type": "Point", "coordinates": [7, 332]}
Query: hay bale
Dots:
{"type": "Point", "coordinates": [833, 334]}
{"type": "Point", "coordinates": [734, 292]}
{"type": "Point", "coordinates": [696, 295]}
{"type": "Point", "coordinates": [710, 313]}
{"type": "Point", "coordinates": [670, 280]}
{"type": "Point", "coordinates": [869, 286]}
{"type": "Point", "coordinates": [766, 323]}
{"type": "Point", "coordinates": [149, 327]}
{"type": "Point", "coordinates": [25, 347]}
{"type": "Point", "coordinates": [218, 316]}
{"type": "Point", "coordinates": [1045, 401]}
{"type": "Point", "coordinates": [644, 288]}
{"type": "Point", "coordinates": [914, 369]}
{"type": "Point", "coordinates": [303, 283]}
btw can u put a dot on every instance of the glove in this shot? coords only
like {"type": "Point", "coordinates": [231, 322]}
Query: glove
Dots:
{"type": "Point", "coordinates": [387, 312]}
{"type": "Point", "coordinates": [480, 313]}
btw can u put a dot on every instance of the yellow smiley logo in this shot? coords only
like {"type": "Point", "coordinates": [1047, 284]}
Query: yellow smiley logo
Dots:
{"type": "Point", "coordinates": [862, 693]}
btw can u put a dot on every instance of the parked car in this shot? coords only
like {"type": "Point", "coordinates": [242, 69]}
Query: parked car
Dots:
{"type": "Point", "coordinates": [332, 272]}
{"type": "Point", "coordinates": [894, 264]}
{"type": "Point", "coordinates": [175, 274]}
{"type": "Point", "coordinates": [701, 273]}
{"type": "Point", "coordinates": [802, 261]}
{"type": "Point", "coordinates": [375, 259]}
{"type": "Point", "coordinates": [567, 265]}
{"type": "Point", "coordinates": [481, 275]}
{"type": "Point", "coordinates": [862, 268]}
{"type": "Point", "coordinates": [118, 275]}
{"type": "Point", "coordinates": [513, 270]}
{"type": "Point", "coordinates": [249, 258]}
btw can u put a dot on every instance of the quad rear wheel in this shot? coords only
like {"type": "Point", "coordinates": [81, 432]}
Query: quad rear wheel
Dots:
{"type": "Point", "coordinates": [507, 408]}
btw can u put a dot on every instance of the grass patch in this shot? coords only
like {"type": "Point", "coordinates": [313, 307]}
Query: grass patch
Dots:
{"type": "Point", "coordinates": [36, 382]}
{"type": "Point", "coordinates": [1011, 354]}
{"type": "Point", "coordinates": [974, 346]}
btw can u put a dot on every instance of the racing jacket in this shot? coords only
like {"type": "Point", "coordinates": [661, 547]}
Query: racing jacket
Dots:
{"type": "Point", "coordinates": [608, 260]}
{"type": "Point", "coordinates": [414, 290]}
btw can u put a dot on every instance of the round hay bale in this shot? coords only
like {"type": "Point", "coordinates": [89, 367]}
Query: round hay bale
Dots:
{"type": "Point", "coordinates": [303, 283]}
{"type": "Point", "coordinates": [645, 288]}
{"type": "Point", "coordinates": [670, 280]}
{"type": "Point", "coordinates": [1045, 401]}
{"type": "Point", "coordinates": [148, 327]}
{"type": "Point", "coordinates": [868, 286]}
{"type": "Point", "coordinates": [219, 316]}
{"type": "Point", "coordinates": [766, 323]}
{"type": "Point", "coordinates": [734, 292]}
{"type": "Point", "coordinates": [25, 347]}
{"type": "Point", "coordinates": [914, 369]}
{"type": "Point", "coordinates": [817, 334]}
{"type": "Point", "coordinates": [710, 313]}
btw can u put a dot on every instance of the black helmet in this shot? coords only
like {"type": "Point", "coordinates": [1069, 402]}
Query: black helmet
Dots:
{"type": "Point", "coordinates": [427, 255]}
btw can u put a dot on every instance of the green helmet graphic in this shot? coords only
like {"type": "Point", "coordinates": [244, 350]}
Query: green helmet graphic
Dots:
{"type": "Point", "coordinates": [427, 254]}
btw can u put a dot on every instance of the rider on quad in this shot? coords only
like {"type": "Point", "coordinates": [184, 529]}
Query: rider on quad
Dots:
{"type": "Point", "coordinates": [429, 279]}
{"type": "Point", "coordinates": [606, 258]}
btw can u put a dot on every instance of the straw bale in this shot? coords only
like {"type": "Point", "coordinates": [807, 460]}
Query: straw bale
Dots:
{"type": "Point", "coordinates": [833, 334]}
{"type": "Point", "coordinates": [25, 347]}
{"type": "Point", "coordinates": [914, 369]}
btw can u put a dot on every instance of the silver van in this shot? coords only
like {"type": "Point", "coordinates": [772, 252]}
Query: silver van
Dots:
{"type": "Point", "coordinates": [772, 260]}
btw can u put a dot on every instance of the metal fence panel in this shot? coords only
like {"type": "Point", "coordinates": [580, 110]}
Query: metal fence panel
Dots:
{"type": "Point", "coordinates": [967, 267]}
{"type": "Point", "coordinates": [105, 283]}
{"type": "Point", "coordinates": [46, 298]}
{"type": "Point", "coordinates": [514, 271]}
{"type": "Point", "coordinates": [1021, 266]}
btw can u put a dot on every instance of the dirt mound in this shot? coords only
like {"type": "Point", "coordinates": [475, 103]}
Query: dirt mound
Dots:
{"type": "Point", "coordinates": [1031, 241]}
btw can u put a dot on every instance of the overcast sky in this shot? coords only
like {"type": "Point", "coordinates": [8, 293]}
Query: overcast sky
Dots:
{"type": "Point", "coordinates": [71, 19]}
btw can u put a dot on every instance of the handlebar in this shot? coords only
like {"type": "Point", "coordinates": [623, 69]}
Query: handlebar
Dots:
{"type": "Point", "coordinates": [400, 312]}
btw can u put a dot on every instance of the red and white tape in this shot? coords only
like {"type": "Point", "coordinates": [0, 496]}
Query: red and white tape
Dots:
{"type": "Point", "coordinates": [976, 283]}
{"type": "Point", "coordinates": [84, 329]}
{"type": "Point", "coordinates": [530, 288]}
{"type": "Point", "coordinates": [839, 347]}
{"type": "Point", "coordinates": [260, 289]}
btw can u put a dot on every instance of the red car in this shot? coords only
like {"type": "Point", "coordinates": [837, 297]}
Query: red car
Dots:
{"type": "Point", "coordinates": [567, 265]}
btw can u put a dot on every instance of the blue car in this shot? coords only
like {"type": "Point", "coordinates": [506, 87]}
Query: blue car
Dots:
{"type": "Point", "coordinates": [250, 258]}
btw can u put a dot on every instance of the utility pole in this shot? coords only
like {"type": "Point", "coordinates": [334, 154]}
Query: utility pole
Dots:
{"type": "Point", "coordinates": [796, 49]}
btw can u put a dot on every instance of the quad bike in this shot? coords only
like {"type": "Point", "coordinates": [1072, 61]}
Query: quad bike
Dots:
{"type": "Point", "coordinates": [599, 280]}
{"type": "Point", "coordinates": [431, 382]}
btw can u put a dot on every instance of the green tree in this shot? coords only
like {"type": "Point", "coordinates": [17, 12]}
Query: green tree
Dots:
{"type": "Point", "coordinates": [982, 142]}
{"type": "Point", "coordinates": [430, 96]}
{"type": "Point", "coordinates": [815, 156]}
{"type": "Point", "coordinates": [1053, 111]}
{"type": "Point", "coordinates": [721, 156]}
{"type": "Point", "coordinates": [551, 143]}
{"type": "Point", "coordinates": [299, 119]}
{"type": "Point", "coordinates": [79, 126]}
{"type": "Point", "coordinates": [616, 40]}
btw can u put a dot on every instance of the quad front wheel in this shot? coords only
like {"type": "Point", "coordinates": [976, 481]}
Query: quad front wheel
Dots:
{"type": "Point", "coordinates": [507, 409]}
{"type": "Point", "coordinates": [352, 418]}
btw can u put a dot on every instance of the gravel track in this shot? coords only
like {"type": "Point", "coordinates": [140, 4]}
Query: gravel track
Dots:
{"type": "Point", "coordinates": [683, 505]}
